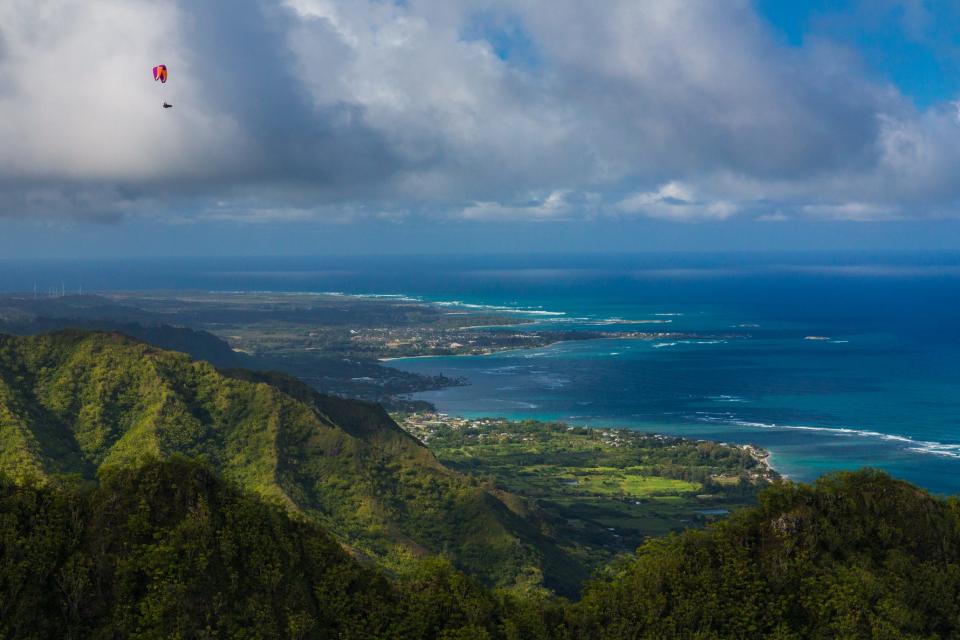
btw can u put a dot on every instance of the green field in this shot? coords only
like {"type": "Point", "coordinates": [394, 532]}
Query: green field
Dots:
{"type": "Point", "coordinates": [601, 492]}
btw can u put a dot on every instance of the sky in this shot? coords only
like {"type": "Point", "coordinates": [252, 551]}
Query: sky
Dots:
{"type": "Point", "coordinates": [439, 126]}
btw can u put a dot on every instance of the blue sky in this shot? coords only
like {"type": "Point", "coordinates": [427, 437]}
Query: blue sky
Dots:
{"type": "Point", "coordinates": [914, 45]}
{"type": "Point", "coordinates": [356, 126]}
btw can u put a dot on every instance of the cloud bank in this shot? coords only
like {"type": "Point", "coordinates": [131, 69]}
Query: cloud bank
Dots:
{"type": "Point", "coordinates": [471, 109]}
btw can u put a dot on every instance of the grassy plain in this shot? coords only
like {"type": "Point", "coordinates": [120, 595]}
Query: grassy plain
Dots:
{"type": "Point", "coordinates": [601, 492]}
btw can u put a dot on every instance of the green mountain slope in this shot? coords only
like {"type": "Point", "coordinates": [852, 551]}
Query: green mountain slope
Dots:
{"type": "Point", "coordinates": [88, 402]}
{"type": "Point", "coordinates": [857, 555]}
{"type": "Point", "coordinates": [168, 550]}
{"type": "Point", "coordinates": [166, 323]}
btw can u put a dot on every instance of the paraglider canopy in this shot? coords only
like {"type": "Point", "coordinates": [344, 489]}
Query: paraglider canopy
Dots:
{"type": "Point", "coordinates": [160, 73]}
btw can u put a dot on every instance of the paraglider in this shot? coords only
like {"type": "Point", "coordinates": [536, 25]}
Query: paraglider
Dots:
{"type": "Point", "coordinates": [160, 73]}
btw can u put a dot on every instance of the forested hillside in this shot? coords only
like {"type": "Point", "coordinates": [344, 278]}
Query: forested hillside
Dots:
{"type": "Point", "coordinates": [108, 530]}
{"type": "Point", "coordinates": [857, 555]}
{"type": "Point", "coordinates": [79, 403]}
{"type": "Point", "coordinates": [169, 550]}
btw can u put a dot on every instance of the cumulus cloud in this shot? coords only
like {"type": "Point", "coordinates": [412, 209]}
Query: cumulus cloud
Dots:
{"type": "Point", "coordinates": [558, 205]}
{"type": "Point", "coordinates": [676, 201]}
{"type": "Point", "coordinates": [478, 109]}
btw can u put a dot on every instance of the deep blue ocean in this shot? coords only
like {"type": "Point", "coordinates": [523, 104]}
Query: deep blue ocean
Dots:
{"type": "Point", "coordinates": [831, 361]}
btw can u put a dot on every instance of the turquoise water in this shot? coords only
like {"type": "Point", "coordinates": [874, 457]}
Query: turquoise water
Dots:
{"type": "Point", "coordinates": [817, 405]}
{"type": "Point", "coordinates": [882, 390]}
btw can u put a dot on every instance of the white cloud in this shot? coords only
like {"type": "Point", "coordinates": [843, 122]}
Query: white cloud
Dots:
{"type": "Point", "coordinates": [332, 108]}
{"type": "Point", "coordinates": [676, 201]}
{"type": "Point", "coordinates": [79, 101]}
{"type": "Point", "coordinates": [554, 207]}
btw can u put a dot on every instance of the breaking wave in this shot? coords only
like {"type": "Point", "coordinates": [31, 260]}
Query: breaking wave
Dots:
{"type": "Point", "coordinates": [930, 447]}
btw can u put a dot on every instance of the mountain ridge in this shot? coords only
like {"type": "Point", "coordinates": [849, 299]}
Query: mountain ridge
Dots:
{"type": "Point", "coordinates": [169, 549]}
{"type": "Point", "coordinates": [83, 402]}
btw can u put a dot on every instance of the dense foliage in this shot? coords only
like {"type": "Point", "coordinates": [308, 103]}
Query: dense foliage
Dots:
{"type": "Point", "coordinates": [169, 550]}
{"type": "Point", "coordinates": [79, 402]}
{"type": "Point", "coordinates": [857, 555]}
{"type": "Point", "coordinates": [108, 531]}
{"type": "Point", "coordinates": [601, 492]}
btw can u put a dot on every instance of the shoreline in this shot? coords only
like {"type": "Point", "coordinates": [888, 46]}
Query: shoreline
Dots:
{"type": "Point", "coordinates": [488, 353]}
{"type": "Point", "coordinates": [627, 336]}
{"type": "Point", "coordinates": [763, 456]}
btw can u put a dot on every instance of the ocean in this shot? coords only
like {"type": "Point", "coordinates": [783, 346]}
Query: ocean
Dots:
{"type": "Point", "coordinates": [830, 361]}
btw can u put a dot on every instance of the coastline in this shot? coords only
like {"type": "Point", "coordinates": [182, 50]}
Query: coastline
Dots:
{"type": "Point", "coordinates": [729, 419]}
{"type": "Point", "coordinates": [767, 472]}
{"type": "Point", "coordinates": [764, 457]}
{"type": "Point", "coordinates": [391, 359]}
{"type": "Point", "coordinates": [487, 353]}
{"type": "Point", "coordinates": [643, 337]}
